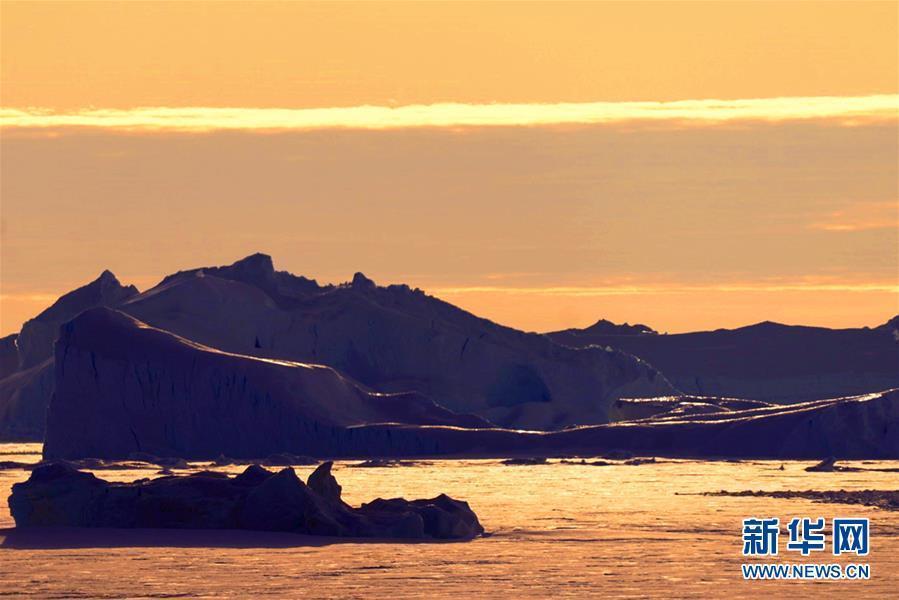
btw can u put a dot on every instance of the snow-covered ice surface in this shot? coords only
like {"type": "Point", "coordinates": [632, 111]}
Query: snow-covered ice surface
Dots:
{"type": "Point", "coordinates": [555, 530]}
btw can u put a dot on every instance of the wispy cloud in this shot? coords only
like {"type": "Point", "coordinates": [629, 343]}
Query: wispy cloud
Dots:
{"type": "Point", "coordinates": [29, 297]}
{"type": "Point", "coordinates": [861, 216]}
{"type": "Point", "coordinates": [843, 110]}
{"type": "Point", "coordinates": [628, 290]}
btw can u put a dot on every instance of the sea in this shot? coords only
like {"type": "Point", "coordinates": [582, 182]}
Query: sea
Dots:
{"type": "Point", "coordinates": [560, 529]}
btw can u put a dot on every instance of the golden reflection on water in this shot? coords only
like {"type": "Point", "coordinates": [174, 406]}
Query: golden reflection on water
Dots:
{"type": "Point", "coordinates": [555, 529]}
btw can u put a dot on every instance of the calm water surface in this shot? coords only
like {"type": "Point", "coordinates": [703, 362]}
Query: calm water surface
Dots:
{"type": "Point", "coordinates": [555, 530]}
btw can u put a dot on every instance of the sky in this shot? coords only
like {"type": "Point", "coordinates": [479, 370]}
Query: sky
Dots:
{"type": "Point", "coordinates": [684, 165]}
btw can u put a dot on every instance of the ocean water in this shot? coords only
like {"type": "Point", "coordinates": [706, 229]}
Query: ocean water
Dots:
{"type": "Point", "coordinates": [554, 530]}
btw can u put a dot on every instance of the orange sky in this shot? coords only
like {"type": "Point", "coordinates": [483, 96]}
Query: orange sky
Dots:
{"type": "Point", "coordinates": [293, 54]}
{"type": "Point", "coordinates": [560, 202]}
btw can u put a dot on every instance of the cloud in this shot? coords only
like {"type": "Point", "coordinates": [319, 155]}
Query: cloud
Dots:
{"type": "Point", "coordinates": [29, 297]}
{"type": "Point", "coordinates": [845, 111]}
{"type": "Point", "coordinates": [861, 216]}
{"type": "Point", "coordinates": [628, 290]}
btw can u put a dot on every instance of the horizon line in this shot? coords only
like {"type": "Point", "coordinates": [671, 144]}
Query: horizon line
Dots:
{"type": "Point", "coordinates": [844, 110]}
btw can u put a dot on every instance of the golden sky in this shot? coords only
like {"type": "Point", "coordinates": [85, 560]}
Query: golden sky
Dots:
{"type": "Point", "coordinates": [686, 165]}
{"type": "Point", "coordinates": [292, 55]}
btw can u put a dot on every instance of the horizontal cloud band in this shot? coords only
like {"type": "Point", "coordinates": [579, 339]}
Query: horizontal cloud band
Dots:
{"type": "Point", "coordinates": [627, 290]}
{"type": "Point", "coordinates": [845, 110]}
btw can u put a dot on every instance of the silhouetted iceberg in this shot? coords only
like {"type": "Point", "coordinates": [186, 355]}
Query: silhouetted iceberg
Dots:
{"type": "Point", "coordinates": [861, 427]}
{"type": "Point", "coordinates": [396, 339]}
{"type": "Point", "coordinates": [409, 346]}
{"type": "Point", "coordinates": [767, 361]}
{"type": "Point", "coordinates": [606, 327]}
{"type": "Point", "coordinates": [390, 339]}
{"type": "Point", "coordinates": [827, 465]}
{"type": "Point", "coordinates": [35, 341]}
{"type": "Point", "coordinates": [124, 387]}
{"type": "Point", "coordinates": [26, 376]}
{"type": "Point", "coordinates": [59, 496]}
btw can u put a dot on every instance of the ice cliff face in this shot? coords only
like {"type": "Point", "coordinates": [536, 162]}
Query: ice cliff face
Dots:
{"type": "Point", "coordinates": [24, 396]}
{"type": "Point", "coordinates": [9, 355]}
{"type": "Point", "coordinates": [35, 342]}
{"type": "Point", "coordinates": [396, 339]}
{"type": "Point", "coordinates": [124, 387]}
{"type": "Point", "coordinates": [26, 359]}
